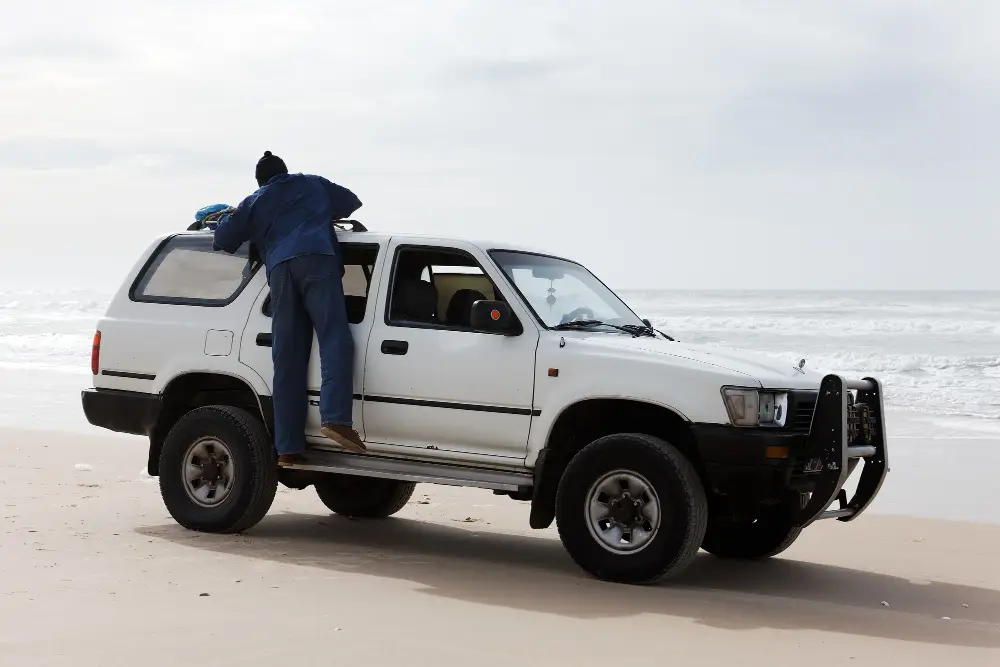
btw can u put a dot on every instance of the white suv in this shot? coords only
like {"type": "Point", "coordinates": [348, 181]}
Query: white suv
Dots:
{"type": "Point", "coordinates": [489, 366]}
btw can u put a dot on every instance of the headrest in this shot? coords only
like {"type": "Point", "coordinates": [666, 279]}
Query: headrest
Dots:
{"type": "Point", "coordinates": [459, 310]}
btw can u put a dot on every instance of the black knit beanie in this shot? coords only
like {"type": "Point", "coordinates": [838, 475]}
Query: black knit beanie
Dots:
{"type": "Point", "coordinates": [268, 167]}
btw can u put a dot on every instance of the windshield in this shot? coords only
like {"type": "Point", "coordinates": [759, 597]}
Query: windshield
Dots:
{"type": "Point", "coordinates": [560, 291]}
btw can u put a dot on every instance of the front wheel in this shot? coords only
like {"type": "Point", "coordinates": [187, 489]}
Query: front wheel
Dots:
{"type": "Point", "coordinates": [631, 508]}
{"type": "Point", "coordinates": [217, 470]}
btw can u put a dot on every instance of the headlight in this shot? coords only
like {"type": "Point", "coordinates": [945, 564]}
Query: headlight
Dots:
{"type": "Point", "coordinates": [752, 407]}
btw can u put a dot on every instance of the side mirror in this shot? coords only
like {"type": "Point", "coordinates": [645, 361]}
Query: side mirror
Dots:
{"type": "Point", "coordinates": [494, 316]}
{"type": "Point", "coordinates": [647, 323]}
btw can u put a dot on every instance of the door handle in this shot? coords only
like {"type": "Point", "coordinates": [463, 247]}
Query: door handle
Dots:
{"type": "Point", "coordinates": [264, 339]}
{"type": "Point", "coordinates": [395, 347]}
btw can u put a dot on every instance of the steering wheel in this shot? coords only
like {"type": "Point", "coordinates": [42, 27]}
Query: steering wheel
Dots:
{"type": "Point", "coordinates": [578, 313]}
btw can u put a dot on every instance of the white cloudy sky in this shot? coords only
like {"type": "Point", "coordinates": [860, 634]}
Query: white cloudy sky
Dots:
{"type": "Point", "coordinates": [665, 144]}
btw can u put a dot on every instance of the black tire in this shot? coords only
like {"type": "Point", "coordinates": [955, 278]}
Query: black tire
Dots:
{"type": "Point", "coordinates": [683, 509]}
{"type": "Point", "coordinates": [363, 497]}
{"type": "Point", "coordinates": [255, 471]}
{"type": "Point", "coordinates": [768, 536]}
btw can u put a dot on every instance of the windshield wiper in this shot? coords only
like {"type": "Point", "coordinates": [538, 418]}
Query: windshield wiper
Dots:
{"type": "Point", "coordinates": [633, 330]}
{"type": "Point", "coordinates": [647, 329]}
{"type": "Point", "coordinates": [639, 329]}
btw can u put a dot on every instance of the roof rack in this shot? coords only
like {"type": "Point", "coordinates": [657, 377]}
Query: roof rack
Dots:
{"type": "Point", "coordinates": [355, 225]}
{"type": "Point", "coordinates": [203, 226]}
{"type": "Point", "coordinates": [210, 225]}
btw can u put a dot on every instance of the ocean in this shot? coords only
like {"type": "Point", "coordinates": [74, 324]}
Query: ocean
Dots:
{"type": "Point", "coordinates": [937, 353]}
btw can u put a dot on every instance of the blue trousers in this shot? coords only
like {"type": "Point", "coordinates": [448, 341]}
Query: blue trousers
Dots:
{"type": "Point", "coordinates": [306, 295]}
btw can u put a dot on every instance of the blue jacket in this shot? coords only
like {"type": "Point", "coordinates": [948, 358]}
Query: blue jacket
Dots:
{"type": "Point", "coordinates": [290, 216]}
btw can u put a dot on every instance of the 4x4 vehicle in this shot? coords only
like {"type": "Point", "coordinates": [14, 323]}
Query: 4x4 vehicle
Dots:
{"type": "Point", "coordinates": [483, 365]}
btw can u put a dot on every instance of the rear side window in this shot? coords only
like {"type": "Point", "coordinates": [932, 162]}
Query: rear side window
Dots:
{"type": "Point", "coordinates": [359, 262]}
{"type": "Point", "coordinates": [356, 280]}
{"type": "Point", "coordinates": [187, 271]}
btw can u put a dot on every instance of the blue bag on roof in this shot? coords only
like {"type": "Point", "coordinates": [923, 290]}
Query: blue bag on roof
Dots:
{"type": "Point", "coordinates": [210, 216]}
{"type": "Point", "coordinates": [207, 211]}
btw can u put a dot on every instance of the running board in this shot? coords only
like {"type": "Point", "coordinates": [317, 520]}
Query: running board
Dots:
{"type": "Point", "coordinates": [413, 471]}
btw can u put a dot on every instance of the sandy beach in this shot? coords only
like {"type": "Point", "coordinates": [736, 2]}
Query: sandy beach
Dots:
{"type": "Point", "coordinates": [96, 573]}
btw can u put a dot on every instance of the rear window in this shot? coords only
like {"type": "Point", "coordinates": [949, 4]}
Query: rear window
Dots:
{"type": "Point", "coordinates": [187, 271]}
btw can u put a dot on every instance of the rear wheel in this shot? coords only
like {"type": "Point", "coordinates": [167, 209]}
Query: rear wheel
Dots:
{"type": "Point", "coordinates": [753, 539]}
{"type": "Point", "coordinates": [631, 508]}
{"type": "Point", "coordinates": [217, 470]}
{"type": "Point", "coordinates": [363, 497]}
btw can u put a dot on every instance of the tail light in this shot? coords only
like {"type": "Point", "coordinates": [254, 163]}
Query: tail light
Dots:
{"type": "Point", "coordinates": [95, 354]}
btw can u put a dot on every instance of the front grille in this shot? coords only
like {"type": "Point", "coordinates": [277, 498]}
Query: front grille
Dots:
{"type": "Point", "coordinates": [802, 418]}
{"type": "Point", "coordinates": [801, 405]}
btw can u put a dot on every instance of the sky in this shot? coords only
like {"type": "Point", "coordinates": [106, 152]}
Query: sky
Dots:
{"type": "Point", "coordinates": [848, 144]}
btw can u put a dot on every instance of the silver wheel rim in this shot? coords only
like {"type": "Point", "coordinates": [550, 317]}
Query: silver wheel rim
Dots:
{"type": "Point", "coordinates": [623, 512]}
{"type": "Point", "coordinates": [208, 472]}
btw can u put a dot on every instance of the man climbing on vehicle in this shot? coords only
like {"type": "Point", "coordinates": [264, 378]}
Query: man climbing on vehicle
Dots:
{"type": "Point", "coordinates": [289, 220]}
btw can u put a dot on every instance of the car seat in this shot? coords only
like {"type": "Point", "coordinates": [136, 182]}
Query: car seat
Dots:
{"type": "Point", "coordinates": [459, 311]}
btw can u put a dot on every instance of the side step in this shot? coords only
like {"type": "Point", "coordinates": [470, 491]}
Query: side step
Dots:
{"type": "Point", "coordinates": [413, 471]}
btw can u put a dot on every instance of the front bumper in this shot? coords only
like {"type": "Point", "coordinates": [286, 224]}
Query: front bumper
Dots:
{"type": "Point", "coordinates": [757, 463]}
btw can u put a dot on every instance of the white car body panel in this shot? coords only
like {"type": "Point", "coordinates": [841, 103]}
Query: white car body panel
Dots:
{"type": "Point", "coordinates": [160, 342]}
{"type": "Point", "coordinates": [450, 367]}
{"type": "Point", "coordinates": [475, 369]}
{"type": "Point", "coordinates": [259, 358]}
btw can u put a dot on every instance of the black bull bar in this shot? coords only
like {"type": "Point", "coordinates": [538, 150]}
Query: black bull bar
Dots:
{"type": "Point", "coordinates": [845, 429]}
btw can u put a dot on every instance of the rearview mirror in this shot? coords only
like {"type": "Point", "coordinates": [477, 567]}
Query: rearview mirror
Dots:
{"type": "Point", "coordinates": [493, 316]}
{"type": "Point", "coordinates": [547, 273]}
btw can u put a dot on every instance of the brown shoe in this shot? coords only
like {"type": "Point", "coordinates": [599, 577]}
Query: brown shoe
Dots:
{"type": "Point", "coordinates": [345, 436]}
{"type": "Point", "coordinates": [285, 460]}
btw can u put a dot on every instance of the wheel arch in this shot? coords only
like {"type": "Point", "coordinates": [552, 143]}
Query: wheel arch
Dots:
{"type": "Point", "coordinates": [586, 420]}
{"type": "Point", "coordinates": [187, 391]}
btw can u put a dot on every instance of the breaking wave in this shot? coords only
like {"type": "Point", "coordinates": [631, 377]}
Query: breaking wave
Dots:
{"type": "Point", "coordinates": [935, 353]}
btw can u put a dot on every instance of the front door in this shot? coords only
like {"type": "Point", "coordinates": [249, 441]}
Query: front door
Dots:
{"type": "Point", "coordinates": [433, 382]}
{"type": "Point", "coordinates": [361, 264]}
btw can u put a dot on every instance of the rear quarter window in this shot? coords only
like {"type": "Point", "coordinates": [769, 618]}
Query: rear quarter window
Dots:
{"type": "Point", "coordinates": [185, 270]}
